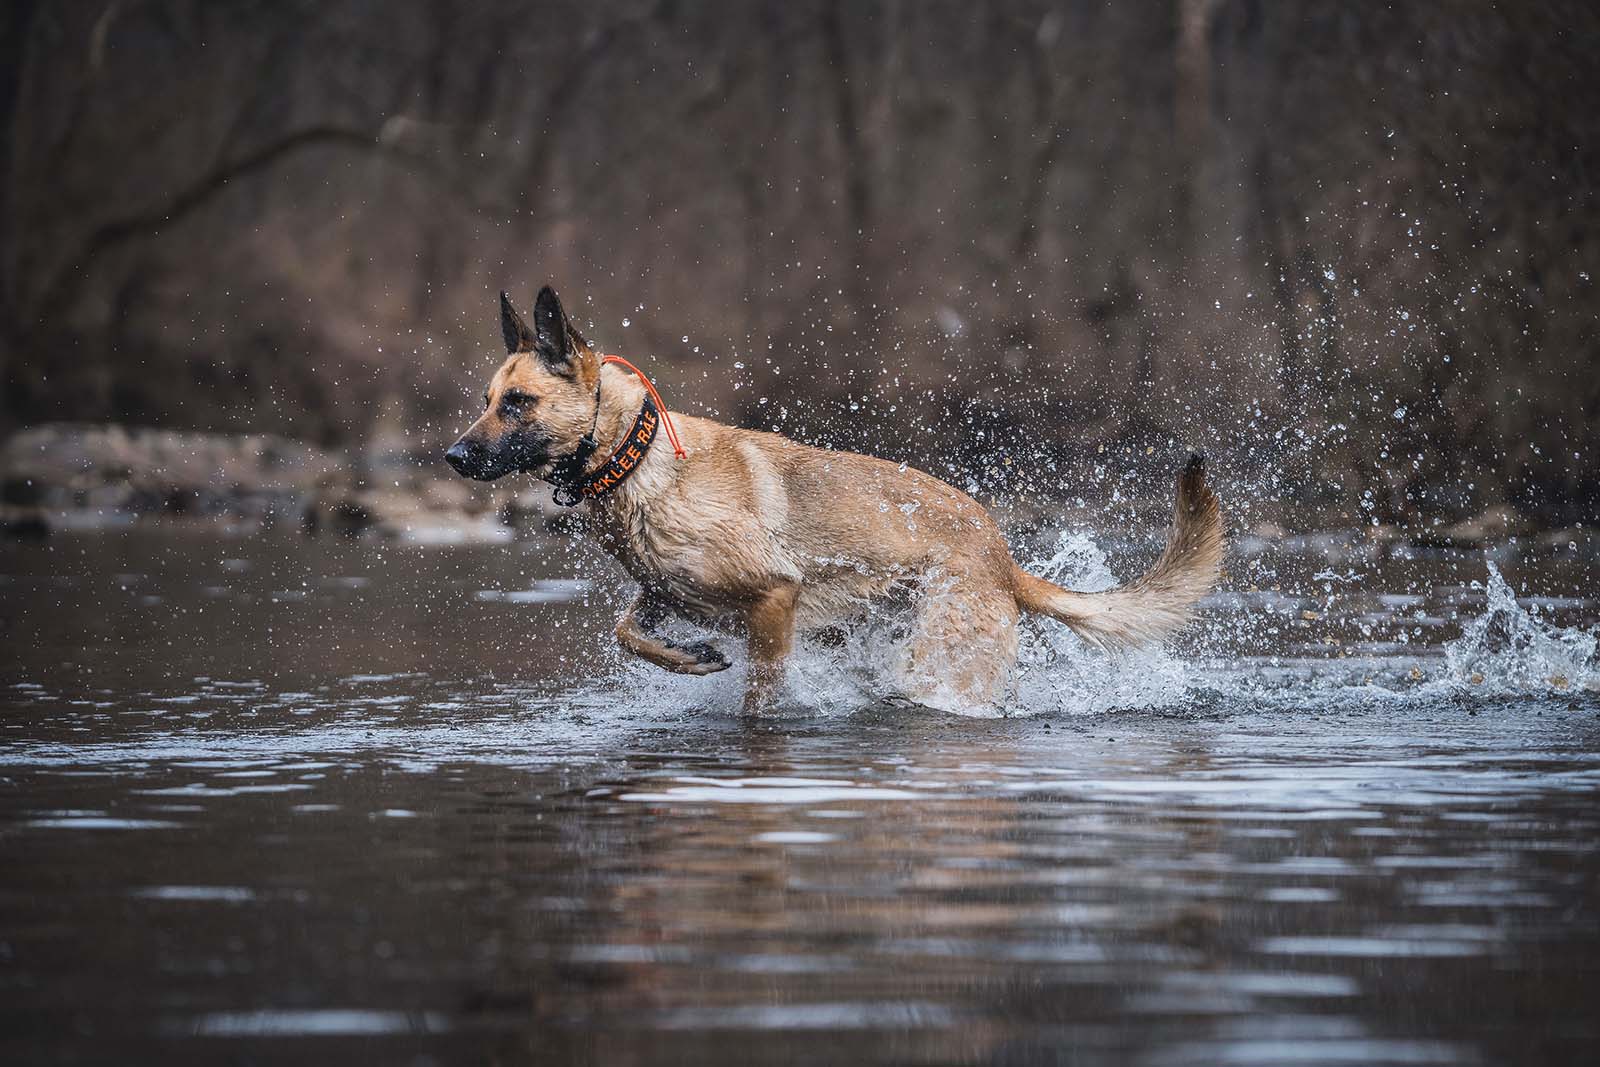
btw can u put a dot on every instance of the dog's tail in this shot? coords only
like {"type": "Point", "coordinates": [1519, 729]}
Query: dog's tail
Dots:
{"type": "Point", "coordinates": [1150, 608]}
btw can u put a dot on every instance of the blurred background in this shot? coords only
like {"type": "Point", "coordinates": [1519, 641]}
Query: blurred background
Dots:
{"type": "Point", "coordinates": [1038, 249]}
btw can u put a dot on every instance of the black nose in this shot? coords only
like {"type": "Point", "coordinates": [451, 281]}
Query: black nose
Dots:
{"type": "Point", "coordinates": [465, 456]}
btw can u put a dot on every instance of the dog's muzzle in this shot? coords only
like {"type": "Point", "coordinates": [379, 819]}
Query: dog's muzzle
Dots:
{"type": "Point", "coordinates": [472, 458]}
{"type": "Point", "coordinates": [467, 457]}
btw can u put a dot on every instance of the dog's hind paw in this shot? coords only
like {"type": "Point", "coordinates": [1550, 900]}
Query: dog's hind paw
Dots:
{"type": "Point", "coordinates": [708, 659]}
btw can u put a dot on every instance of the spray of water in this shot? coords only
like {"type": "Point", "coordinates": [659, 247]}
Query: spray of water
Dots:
{"type": "Point", "coordinates": [1058, 672]}
{"type": "Point", "coordinates": [1510, 649]}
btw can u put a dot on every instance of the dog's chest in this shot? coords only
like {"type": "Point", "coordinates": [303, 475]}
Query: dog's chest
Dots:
{"type": "Point", "coordinates": [662, 555]}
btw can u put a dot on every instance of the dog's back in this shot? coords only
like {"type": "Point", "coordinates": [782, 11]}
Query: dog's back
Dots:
{"type": "Point", "coordinates": [747, 507]}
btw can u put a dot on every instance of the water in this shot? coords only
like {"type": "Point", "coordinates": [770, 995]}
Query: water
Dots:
{"type": "Point", "coordinates": [283, 801]}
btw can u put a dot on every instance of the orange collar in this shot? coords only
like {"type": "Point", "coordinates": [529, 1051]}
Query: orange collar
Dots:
{"type": "Point", "coordinates": [573, 485]}
{"type": "Point", "coordinates": [672, 433]}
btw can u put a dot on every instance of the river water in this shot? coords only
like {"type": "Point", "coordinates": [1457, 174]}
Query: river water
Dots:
{"type": "Point", "coordinates": [272, 800]}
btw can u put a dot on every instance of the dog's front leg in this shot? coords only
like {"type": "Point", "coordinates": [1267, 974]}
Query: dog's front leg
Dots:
{"type": "Point", "coordinates": [771, 623]}
{"type": "Point", "coordinates": [635, 632]}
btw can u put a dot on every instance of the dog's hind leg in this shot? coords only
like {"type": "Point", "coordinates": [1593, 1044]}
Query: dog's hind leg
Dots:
{"type": "Point", "coordinates": [963, 649]}
{"type": "Point", "coordinates": [771, 623]}
{"type": "Point", "coordinates": [636, 633]}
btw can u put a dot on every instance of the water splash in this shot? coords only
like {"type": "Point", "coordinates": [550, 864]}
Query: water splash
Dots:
{"type": "Point", "coordinates": [1506, 650]}
{"type": "Point", "coordinates": [1059, 672]}
{"type": "Point", "coordinates": [1075, 561]}
{"type": "Point", "coordinates": [1511, 649]}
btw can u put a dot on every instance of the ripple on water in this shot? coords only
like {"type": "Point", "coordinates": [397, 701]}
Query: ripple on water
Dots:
{"type": "Point", "coordinates": [226, 894]}
{"type": "Point", "coordinates": [97, 822]}
{"type": "Point", "coordinates": [322, 1022]}
{"type": "Point", "coordinates": [767, 791]}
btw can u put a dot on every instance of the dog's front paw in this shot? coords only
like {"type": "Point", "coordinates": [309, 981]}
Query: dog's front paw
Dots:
{"type": "Point", "coordinates": [701, 657]}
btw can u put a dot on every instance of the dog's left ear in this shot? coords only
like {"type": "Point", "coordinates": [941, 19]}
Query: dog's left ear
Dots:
{"type": "Point", "coordinates": [556, 340]}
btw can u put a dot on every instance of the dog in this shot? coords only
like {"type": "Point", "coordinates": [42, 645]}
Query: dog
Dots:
{"type": "Point", "coordinates": [749, 532]}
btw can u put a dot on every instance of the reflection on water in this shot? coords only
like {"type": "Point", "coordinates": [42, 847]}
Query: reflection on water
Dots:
{"type": "Point", "coordinates": [286, 805]}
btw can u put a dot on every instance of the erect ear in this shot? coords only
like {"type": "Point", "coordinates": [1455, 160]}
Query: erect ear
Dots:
{"type": "Point", "coordinates": [556, 340]}
{"type": "Point", "coordinates": [518, 337]}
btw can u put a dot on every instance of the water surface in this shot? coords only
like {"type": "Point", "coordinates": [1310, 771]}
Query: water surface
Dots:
{"type": "Point", "coordinates": [274, 800]}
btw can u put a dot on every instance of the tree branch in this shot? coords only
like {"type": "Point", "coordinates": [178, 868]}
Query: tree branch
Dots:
{"type": "Point", "coordinates": [59, 292]}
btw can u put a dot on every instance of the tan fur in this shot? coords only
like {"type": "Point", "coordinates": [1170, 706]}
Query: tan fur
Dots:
{"type": "Point", "coordinates": [757, 534]}
{"type": "Point", "coordinates": [1158, 604]}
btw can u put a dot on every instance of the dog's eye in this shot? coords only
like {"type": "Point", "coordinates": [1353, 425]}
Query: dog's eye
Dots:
{"type": "Point", "coordinates": [514, 402]}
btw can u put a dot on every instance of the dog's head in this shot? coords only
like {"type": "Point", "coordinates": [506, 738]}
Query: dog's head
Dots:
{"type": "Point", "coordinates": [539, 404]}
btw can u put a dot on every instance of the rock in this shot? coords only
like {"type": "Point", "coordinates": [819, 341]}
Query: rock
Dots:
{"type": "Point", "coordinates": [417, 509]}
{"type": "Point", "coordinates": [118, 471]}
{"type": "Point", "coordinates": [76, 476]}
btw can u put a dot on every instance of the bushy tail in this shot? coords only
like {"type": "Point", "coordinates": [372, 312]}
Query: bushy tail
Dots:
{"type": "Point", "coordinates": [1155, 606]}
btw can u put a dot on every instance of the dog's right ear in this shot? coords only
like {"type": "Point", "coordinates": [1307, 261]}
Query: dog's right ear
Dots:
{"type": "Point", "coordinates": [519, 337]}
{"type": "Point", "coordinates": [555, 339]}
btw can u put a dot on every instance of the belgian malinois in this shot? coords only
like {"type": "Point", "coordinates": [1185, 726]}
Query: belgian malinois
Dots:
{"type": "Point", "coordinates": [751, 533]}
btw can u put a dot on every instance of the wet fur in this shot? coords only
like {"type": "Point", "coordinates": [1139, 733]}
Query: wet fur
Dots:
{"type": "Point", "coordinates": [758, 535]}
